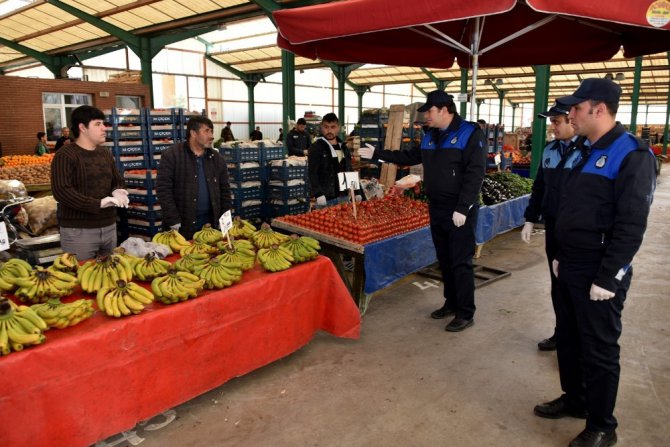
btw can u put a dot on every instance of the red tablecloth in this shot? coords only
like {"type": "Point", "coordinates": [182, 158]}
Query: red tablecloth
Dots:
{"type": "Point", "coordinates": [104, 375]}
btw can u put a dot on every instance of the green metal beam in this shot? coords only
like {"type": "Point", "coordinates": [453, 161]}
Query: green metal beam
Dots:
{"type": "Point", "coordinates": [240, 74]}
{"type": "Point", "coordinates": [479, 103]}
{"type": "Point", "coordinates": [160, 41]}
{"type": "Point", "coordinates": [423, 92]}
{"type": "Point", "coordinates": [501, 98]}
{"type": "Point", "coordinates": [542, 74]}
{"type": "Point", "coordinates": [342, 72]}
{"type": "Point", "coordinates": [58, 65]}
{"type": "Point", "coordinates": [514, 106]}
{"type": "Point", "coordinates": [360, 91]}
{"type": "Point", "coordinates": [288, 87]}
{"type": "Point", "coordinates": [464, 89]}
{"type": "Point", "coordinates": [439, 83]}
{"type": "Point", "coordinates": [636, 94]}
{"type": "Point", "coordinates": [268, 6]}
{"type": "Point", "coordinates": [667, 118]}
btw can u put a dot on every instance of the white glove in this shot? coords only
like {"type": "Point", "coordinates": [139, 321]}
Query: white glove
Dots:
{"type": "Point", "coordinates": [554, 267]}
{"type": "Point", "coordinates": [121, 196]}
{"type": "Point", "coordinates": [368, 151]}
{"type": "Point", "coordinates": [527, 231]}
{"type": "Point", "coordinates": [108, 201]}
{"type": "Point", "coordinates": [358, 198]}
{"type": "Point", "coordinates": [458, 218]}
{"type": "Point", "coordinates": [321, 201]}
{"type": "Point", "coordinates": [175, 227]}
{"type": "Point", "coordinates": [600, 294]}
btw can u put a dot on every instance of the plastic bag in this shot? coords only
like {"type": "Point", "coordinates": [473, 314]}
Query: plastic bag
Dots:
{"type": "Point", "coordinates": [12, 189]}
{"type": "Point", "coordinates": [41, 214]}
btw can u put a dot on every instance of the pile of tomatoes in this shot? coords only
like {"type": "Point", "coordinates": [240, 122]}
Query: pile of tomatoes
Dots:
{"type": "Point", "coordinates": [376, 219]}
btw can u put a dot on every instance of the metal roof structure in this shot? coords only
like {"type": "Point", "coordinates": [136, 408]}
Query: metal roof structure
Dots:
{"type": "Point", "coordinates": [69, 31]}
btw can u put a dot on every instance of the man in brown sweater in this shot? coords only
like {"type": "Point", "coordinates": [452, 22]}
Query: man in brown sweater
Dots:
{"type": "Point", "coordinates": [88, 188]}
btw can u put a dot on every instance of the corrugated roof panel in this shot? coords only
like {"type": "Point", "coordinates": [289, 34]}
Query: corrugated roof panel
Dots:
{"type": "Point", "coordinates": [173, 9]}
{"type": "Point", "coordinates": [202, 6]}
{"type": "Point", "coordinates": [129, 20]}
{"type": "Point", "coordinates": [7, 54]}
{"type": "Point", "coordinates": [152, 14]}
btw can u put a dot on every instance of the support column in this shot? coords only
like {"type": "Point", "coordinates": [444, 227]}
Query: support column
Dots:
{"type": "Point", "coordinates": [479, 102]}
{"type": "Point", "coordinates": [251, 85]}
{"type": "Point", "coordinates": [636, 94]}
{"type": "Point", "coordinates": [464, 89]}
{"type": "Point", "coordinates": [539, 124]}
{"type": "Point", "coordinates": [146, 55]}
{"type": "Point", "coordinates": [514, 106]}
{"type": "Point", "coordinates": [501, 97]}
{"type": "Point", "coordinates": [360, 91]}
{"type": "Point", "coordinates": [288, 87]}
{"type": "Point", "coordinates": [341, 76]}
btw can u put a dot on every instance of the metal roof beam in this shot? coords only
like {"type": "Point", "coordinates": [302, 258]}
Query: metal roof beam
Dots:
{"type": "Point", "coordinates": [57, 64]}
{"type": "Point", "coordinates": [440, 84]}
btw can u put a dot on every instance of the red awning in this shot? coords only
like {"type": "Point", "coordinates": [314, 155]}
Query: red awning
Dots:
{"type": "Point", "coordinates": [426, 33]}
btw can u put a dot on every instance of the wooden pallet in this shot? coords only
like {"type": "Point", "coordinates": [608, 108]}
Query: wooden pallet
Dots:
{"type": "Point", "coordinates": [392, 142]}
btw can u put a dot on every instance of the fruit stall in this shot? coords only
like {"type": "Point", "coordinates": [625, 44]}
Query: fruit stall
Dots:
{"type": "Point", "coordinates": [93, 348]}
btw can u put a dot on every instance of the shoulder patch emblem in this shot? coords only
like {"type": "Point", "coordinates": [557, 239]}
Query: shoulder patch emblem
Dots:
{"type": "Point", "coordinates": [454, 140]}
{"type": "Point", "coordinates": [601, 161]}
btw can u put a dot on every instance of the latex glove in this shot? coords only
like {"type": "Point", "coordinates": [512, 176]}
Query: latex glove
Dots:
{"type": "Point", "coordinates": [554, 267]}
{"type": "Point", "coordinates": [108, 201]}
{"type": "Point", "coordinates": [321, 201]}
{"type": "Point", "coordinates": [527, 231]}
{"type": "Point", "coordinates": [600, 294]}
{"type": "Point", "coordinates": [358, 198]}
{"type": "Point", "coordinates": [121, 196]}
{"type": "Point", "coordinates": [175, 227]}
{"type": "Point", "coordinates": [458, 218]}
{"type": "Point", "coordinates": [368, 151]}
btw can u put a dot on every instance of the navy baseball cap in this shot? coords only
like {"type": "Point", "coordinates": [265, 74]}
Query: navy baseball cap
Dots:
{"type": "Point", "coordinates": [555, 110]}
{"type": "Point", "coordinates": [596, 89]}
{"type": "Point", "coordinates": [436, 98]}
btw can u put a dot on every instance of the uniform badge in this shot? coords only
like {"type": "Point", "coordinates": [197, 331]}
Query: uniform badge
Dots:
{"type": "Point", "coordinates": [601, 161]}
{"type": "Point", "coordinates": [454, 140]}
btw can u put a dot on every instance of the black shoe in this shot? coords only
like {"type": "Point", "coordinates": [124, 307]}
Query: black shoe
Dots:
{"type": "Point", "coordinates": [548, 344]}
{"type": "Point", "coordinates": [459, 324]}
{"type": "Point", "coordinates": [441, 313]}
{"type": "Point", "coordinates": [589, 438]}
{"type": "Point", "coordinates": [557, 409]}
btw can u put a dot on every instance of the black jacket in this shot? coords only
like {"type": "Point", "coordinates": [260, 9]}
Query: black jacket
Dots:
{"type": "Point", "coordinates": [177, 187]}
{"type": "Point", "coordinates": [323, 168]}
{"type": "Point", "coordinates": [454, 163]}
{"type": "Point", "coordinates": [546, 191]}
{"type": "Point", "coordinates": [297, 142]}
{"type": "Point", "coordinates": [605, 203]}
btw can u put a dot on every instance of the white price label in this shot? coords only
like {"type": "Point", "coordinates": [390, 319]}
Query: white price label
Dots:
{"type": "Point", "coordinates": [348, 180]}
{"type": "Point", "coordinates": [226, 222]}
{"type": "Point", "coordinates": [497, 159]}
{"type": "Point", "coordinates": [4, 238]}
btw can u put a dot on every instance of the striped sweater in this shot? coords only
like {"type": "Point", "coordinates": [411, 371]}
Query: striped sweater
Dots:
{"type": "Point", "coordinates": [79, 180]}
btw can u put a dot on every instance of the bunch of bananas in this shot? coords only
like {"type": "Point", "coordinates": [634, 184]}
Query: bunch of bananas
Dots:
{"type": "Point", "coordinates": [67, 262]}
{"type": "Point", "coordinates": [150, 267]}
{"type": "Point", "coordinates": [20, 326]}
{"type": "Point", "coordinates": [217, 274]}
{"type": "Point", "coordinates": [42, 284]}
{"type": "Point", "coordinates": [265, 237]}
{"type": "Point", "coordinates": [59, 315]}
{"type": "Point", "coordinates": [121, 252]}
{"type": "Point", "coordinates": [188, 261]}
{"type": "Point", "coordinates": [208, 235]}
{"type": "Point", "coordinates": [104, 271]}
{"type": "Point", "coordinates": [302, 248]}
{"type": "Point", "coordinates": [276, 258]}
{"type": "Point", "coordinates": [238, 254]}
{"type": "Point", "coordinates": [198, 247]}
{"type": "Point", "coordinates": [12, 269]}
{"type": "Point", "coordinates": [123, 298]}
{"type": "Point", "coordinates": [176, 286]}
{"type": "Point", "coordinates": [172, 239]}
{"type": "Point", "coordinates": [241, 228]}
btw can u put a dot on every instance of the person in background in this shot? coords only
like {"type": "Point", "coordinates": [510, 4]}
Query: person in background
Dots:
{"type": "Point", "coordinates": [280, 139]}
{"type": "Point", "coordinates": [227, 133]}
{"type": "Point", "coordinates": [256, 135]}
{"type": "Point", "coordinates": [482, 125]}
{"type": "Point", "coordinates": [298, 140]}
{"type": "Point", "coordinates": [41, 146]}
{"type": "Point", "coordinates": [601, 221]}
{"type": "Point", "coordinates": [327, 157]}
{"type": "Point", "coordinates": [64, 138]}
{"type": "Point", "coordinates": [88, 188]}
{"type": "Point", "coordinates": [453, 153]}
{"type": "Point", "coordinates": [192, 183]}
{"type": "Point", "coordinates": [557, 159]}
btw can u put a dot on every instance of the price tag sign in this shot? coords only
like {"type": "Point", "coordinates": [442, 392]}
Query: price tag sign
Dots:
{"type": "Point", "coordinates": [348, 180]}
{"type": "Point", "coordinates": [497, 159]}
{"type": "Point", "coordinates": [4, 238]}
{"type": "Point", "coordinates": [226, 222]}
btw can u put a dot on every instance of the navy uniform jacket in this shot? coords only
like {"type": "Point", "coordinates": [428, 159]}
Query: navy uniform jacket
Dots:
{"type": "Point", "coordinates": [454, 163]}
{"type": "Point", "coordinates": [547, 185]}
{"type": "Point", "coordinates": [605, 204]}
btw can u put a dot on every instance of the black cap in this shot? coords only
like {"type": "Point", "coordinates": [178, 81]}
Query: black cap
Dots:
{"type": "Point", "coordinates": [436, 98]}
{"type": "Point", "coordinates": [596, 89]}
{"type": "Point", "coordinates": [301, 121]}
{"type": "Point", "coordinates": [556, 110]}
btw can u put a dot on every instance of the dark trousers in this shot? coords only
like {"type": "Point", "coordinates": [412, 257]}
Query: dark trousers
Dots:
{"type": "Point", "coordinates": [455, 247]}
{"type": "Point", "coordinates": [551, 249]}
{"type": "Point", "coordinates": [587, 342]}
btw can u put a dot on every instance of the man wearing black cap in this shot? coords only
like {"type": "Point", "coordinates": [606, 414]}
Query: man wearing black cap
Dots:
{"type": "Point", "coordinates": [557, 158]}
{"type": "Point", "coordinates": [600, 224]}
{"type": "Point", "coordinates": [453, 153]}
{"type": "Point", "coordinates": [298, 140]}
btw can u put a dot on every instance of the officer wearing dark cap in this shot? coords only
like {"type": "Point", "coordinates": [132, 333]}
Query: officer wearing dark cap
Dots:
{"type": "Point", "coordinates": [298, 140]}
{"type": "Point", "coordinates": [601, 221]}
{"type": "Point", "coordinates": [557, 158]}
{"type": "Point", "coordinates": [453, 153]}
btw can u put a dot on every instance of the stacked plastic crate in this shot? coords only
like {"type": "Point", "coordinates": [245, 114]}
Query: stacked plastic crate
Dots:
{"type": "Point", "coordinates": [373, 127]}
{"type": "Point", "coordinates": [287, 189]}
{"type": "Point", "coordinates": [246, 176]}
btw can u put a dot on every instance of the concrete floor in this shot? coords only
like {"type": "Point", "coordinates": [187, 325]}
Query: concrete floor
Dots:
{"type": "Point", "coordinates": [407, 382]}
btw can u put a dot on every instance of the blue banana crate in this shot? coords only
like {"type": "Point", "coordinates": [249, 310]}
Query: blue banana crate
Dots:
{"type": "Point", "coordinates": [158, 146]}
{"type": "Point", "coordinates": [287, 192]}
{"type": "Point", "coordinates": [285, 209]}
{"type": "Point", "coordinates": [286, 172]}
{"type": "Point", "coordinates": [240, 155]}
{"type": "Point", "coordinates": [249, 212]}
{"type": "Point", "coordinates": [140, 229]}
{"type": "Point", "coordinates": [150, 215]}
{"type": "Point", "coordinates": [147, 199]}
{"type": "Point", "coordinates": [272, 153]}
{"type": "Point", "coordinates": [241, 194]}
{"type": "Point", "coordinates": [239, 175]}
{"type": "Point", "coordinates": [119, 148]}
{"type": "Point", "coordinates": [169, 116]}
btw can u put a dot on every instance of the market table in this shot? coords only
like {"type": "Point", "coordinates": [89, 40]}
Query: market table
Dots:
{"type": "Point", "coordinates": [104, 375]}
